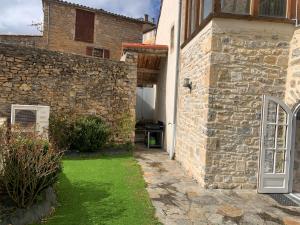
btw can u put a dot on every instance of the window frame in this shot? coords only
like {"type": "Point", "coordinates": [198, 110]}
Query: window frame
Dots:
{"type": "Point", "coordinates": [198, 13]}
{"type": "Point", "coordinates": [90, 51]}
{"type": "Point", "coordinates": [286, 11]}
{"type": "Point", "coordinates": [235, 5]}
{"type": "Point", "coordinates": [216, 12]}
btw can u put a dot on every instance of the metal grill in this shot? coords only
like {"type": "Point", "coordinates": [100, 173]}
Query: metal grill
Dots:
{"type": "Point", "coordinates": [25, 118]}
{"type": "Point", "coordinates": [283, 200]}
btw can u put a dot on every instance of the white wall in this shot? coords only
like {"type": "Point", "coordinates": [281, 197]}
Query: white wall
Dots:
{"type": "Point", "coordinates": [166, 83]}
{"type": "Point", "coordinates": [149, 37]}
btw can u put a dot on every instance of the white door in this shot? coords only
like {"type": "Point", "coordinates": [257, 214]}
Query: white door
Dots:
{"type": "Point", "coordinates": [275, 147]}
{"type": "Point", "coordinates": [145, 103]}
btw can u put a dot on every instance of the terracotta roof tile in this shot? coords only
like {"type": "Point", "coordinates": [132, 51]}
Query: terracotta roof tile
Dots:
{"type": "Point", "coordinates": [144, 46]}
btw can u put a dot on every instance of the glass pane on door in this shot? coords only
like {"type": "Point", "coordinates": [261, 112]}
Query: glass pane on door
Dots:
{"type": "Point", "coordinates": [270, 136]}
{"type": "Point", "coordinates": [272, 112]}
{"type": "Point", "coordinates": [280, 161]}
{"type": "Point", "coordinates": [282, 116]}
{"type": "Point", "coordinates": [281, 136]}
{"type": "Point", "coordinates": [269, 161]}
{"type": "Point", "coordinates": [275, 138]}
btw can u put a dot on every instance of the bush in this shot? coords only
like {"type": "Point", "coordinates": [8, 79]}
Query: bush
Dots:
{"type": "Point", "coordinates": [84, 133]}
{"type": "Point", "coordinates": [2, 146]}
{"type": "Point", "coordinates": [89, 134]}
{"type": "Point", "coordinates": [60, 130]}
{"type": "Point", "coordinates": [30, 165]}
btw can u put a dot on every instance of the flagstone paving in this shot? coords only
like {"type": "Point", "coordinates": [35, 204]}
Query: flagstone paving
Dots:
{"type": "Point", "coordinates": [180, 200]}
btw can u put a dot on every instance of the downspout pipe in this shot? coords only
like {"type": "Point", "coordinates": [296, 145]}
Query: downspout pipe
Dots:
{"type": "Point", "coordinates": [297, 7]}
{"type": "Point", "coordinates": [172, 151]}
{"type": "Point", "coordinates": [297, 13]}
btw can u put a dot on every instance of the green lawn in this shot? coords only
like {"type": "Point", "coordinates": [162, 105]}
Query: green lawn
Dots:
{"type": "Point", "coordinates": [106, 190]}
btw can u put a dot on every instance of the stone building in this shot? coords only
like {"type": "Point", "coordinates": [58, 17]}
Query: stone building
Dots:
{"type": "Point", "coordinates": [234, 122]}
{"type": "Point", "coordinates": [83, 30]}
{"type": "Point", "coordinates": [226, 75]}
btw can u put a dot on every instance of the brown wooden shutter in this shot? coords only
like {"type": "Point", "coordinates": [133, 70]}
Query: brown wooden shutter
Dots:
{"type": "Point", "coordinates": [292, 9]}
{"type": "Point", "coordinates": [89, 51]}
{"type": "Point", "coordinates": [106, 54]}
{"type": "Point", "coordinates": [255, 7]}
{"type": "Point", "coordinates": [84, 27]}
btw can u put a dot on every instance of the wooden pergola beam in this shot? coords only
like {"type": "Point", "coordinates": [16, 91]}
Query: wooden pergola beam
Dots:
{"type": "Point", "coordinates": [145, 70]}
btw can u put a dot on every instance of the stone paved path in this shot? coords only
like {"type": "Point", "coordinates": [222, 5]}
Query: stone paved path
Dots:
{"type": "Point", "coordinates": [179, 200]}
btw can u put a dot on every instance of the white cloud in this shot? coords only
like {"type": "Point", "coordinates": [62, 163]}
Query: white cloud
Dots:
{"type": "Point", "coordinates": [16, 16]}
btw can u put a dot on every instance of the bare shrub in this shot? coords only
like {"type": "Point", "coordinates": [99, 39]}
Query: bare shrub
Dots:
{"type": "Point", "coordinates": [30, 165]}
{"type": "Point", "coordinates": [2, 146]}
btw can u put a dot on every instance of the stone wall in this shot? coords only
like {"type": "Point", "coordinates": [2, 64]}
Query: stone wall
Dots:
{"type": "Point", "coordinates": [24, 40]}
{"type": "Point", "coordinates": [296, 169]}
{"type": "Point", "coordinates": [232, 64]}
{"type": "Point", "coordinates": [67, 83]}
{"type": "Point", "coordinates": [293, 78]}
{"type": "Point", "coordinates": [109, 32]}
{"type": "Point", "coordinates": [292, 98]}
{"type": "Point", "coordinates": [191, 138]}
{"type": "Point", "coordinates": [249, 60]}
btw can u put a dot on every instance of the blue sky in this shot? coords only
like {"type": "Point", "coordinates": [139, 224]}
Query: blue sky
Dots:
{"type": "Point", "coordinates": [16, 16]}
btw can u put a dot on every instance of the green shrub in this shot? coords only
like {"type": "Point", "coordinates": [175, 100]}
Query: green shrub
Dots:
{"type": "Point", "coordinates": [89, 134]}
{"type": "Point", "coordinates": [81, 133]}
{"type": "Point", "coordinates": [30, 165]}
{"type": "Point", "coordinates": [60, 130]}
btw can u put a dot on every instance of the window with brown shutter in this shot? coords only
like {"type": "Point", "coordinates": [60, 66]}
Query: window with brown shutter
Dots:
{"type": "Point", "coordinates": [98, 52]}
{"type": "Point", "coordinates": [89, 51]}
{"type": "Point", "coordinates": [106, 54]}
{"type": "Point", "coordinates": [84, 27]}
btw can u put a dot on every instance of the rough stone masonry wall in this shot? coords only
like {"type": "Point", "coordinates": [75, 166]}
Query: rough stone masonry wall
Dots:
{"type": "Point", "coordinates": [67, 83]}
{"type": "Point", "coordinates": [292, 98]}
{"type": "Point", "coordinates": [293, 77]}
{"type": "Point", "coordinates": [191, 138]}
{"type": "Point", "coordinates": [24, 40]}
{"type": "Point", "coordinates": [249, 59]}
{"type": "Point", "coordinates": [109, 33]}
{"type": "Point", "coordinates": [296, 169]}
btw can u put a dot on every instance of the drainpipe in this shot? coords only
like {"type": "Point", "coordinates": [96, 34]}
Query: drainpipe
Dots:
{"type": "Point", "coordinates": [48, 23]}
{"type": "Point", "coordinates": [297, 13]}
{"type": "Point", "coordinates": [172, 151]}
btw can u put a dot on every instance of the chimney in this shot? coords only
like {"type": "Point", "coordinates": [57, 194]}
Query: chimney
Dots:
{"type": "Point", "coordinates": [146, 17]}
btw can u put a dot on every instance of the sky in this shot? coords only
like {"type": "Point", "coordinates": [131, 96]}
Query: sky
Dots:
{"type": "Point", "coordinates": [16, 16]}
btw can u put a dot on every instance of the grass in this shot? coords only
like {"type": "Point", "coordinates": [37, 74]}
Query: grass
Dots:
{"type": "Point", "coordinates": [106, 190]}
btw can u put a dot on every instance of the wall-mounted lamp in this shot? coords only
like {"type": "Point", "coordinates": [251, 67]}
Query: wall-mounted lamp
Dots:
{"type": "Point", "coordinates": [188, 84]}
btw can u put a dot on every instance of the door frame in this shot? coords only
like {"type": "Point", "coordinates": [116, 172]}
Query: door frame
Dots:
{"type": "Point", "coordinates": [290, 133]}
{"type": "Point", "coordinates": [296, 110]}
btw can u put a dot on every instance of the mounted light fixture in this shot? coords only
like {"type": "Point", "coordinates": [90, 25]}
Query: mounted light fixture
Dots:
{"type": "Point", "coordinates": [188, 84]}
